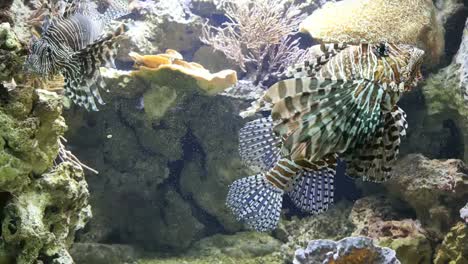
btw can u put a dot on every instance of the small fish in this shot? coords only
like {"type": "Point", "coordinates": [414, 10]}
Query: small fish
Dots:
{"type": "Point", "coordinates": [74, 44]}
{"type": "Point", "coordinates": [342, 105]}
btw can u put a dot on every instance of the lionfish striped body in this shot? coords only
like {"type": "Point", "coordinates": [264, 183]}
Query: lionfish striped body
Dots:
{"type": "Point", "coordinates": [343, 104]}
{"type": "Point", "coordinates": [74, 44]}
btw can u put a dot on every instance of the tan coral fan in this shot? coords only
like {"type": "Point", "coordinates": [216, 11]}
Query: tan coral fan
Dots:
{"type": "Point", "coordinates": [398, 21]}
{"type": "Point", "coordinates": [212, 83]}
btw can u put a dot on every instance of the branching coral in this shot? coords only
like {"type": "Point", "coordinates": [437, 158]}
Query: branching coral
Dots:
{"type": "Point", "coordinates": [257, 35]}
{"type": "Point", "coordinates": [65, 155]}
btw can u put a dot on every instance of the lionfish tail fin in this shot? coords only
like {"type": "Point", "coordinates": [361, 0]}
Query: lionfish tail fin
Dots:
{"type": "Point", "coordinates": [116, 9]}
{"type": "Point", "coordinates": [256, 202]}
{"type": "Point", "coordinates": [312, 190]}
{"type": "Point", "coordinates": [258, 145]}
{"type": "Point", "coordinates": [82, 84]}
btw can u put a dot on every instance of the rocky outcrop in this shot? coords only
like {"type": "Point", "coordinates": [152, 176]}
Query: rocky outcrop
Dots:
{"type": "Point", "coordinates": [333, 224]}
{"type": "Point", "coordinates": [351, 250]}
{"type": "Point", "coordinates": [464, 213]}
{"type": "Point", "coordinates": [42, 203]}
{"type": "Point", "coordinates": [377, 218]}
{"type": "Point", "coordinates": [166, 145]}
{"type": "Point", "coordinates": [93, 253]}
{"type": "Point", "coordinates": [434, 189]}
{"type": "Point", "coordinates": [454, 249]}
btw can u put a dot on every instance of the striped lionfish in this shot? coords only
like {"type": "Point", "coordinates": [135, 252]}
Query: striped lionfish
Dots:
{"type": "Point", "coordinates": [341, 105]}
{"type": "Point", "coordinates": [74, 44]}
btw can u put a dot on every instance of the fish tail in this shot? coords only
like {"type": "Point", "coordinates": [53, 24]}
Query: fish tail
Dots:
{"type": "Point", "coordinates": [258, 144]}
{"type": "Point", "coordinates": [256, 201]}
{"type": "Point", "coordinates": [116, 9]}
{"type": "Point", "coordinates": [83, 81]}
{"type": "Point", "coordinates": [312, 189]}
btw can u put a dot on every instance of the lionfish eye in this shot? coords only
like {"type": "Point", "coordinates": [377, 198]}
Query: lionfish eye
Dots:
{"type": "Point", "coordinates": [382, 50]}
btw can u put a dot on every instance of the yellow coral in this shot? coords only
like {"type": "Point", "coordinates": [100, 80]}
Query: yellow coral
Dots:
{"type": "Point", "coordinates": [212, 83]}
{"type": "Point", "coordinates": [398, 21]}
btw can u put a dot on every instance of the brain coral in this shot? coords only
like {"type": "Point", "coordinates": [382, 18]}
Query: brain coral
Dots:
{"type": "Point", "coordinates": [399, 21]}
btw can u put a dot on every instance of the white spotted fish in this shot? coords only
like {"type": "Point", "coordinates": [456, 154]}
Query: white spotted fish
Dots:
{"type": "Point", "coordinates": [343, 104]}
{"type": "Point", "coordinates": [75, 44]}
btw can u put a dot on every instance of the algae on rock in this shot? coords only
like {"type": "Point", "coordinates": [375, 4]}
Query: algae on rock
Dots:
{"type": "Point", "coordinates": [454, 249]}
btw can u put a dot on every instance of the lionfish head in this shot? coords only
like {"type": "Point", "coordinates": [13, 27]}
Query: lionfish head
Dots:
{"type": "Point", "coordinates": [40, 58]}
{"type": "Point", "coordinates": [406, 59]}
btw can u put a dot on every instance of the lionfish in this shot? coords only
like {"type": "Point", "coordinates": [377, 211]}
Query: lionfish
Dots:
{"type": "Point", "coordinates": [75, 44]}
{"type": "Point", "coordinates": [342, 105]}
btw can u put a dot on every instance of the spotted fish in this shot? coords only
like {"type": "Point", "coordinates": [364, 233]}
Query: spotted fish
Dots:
{"type": "Point", "coordinates": [341, 105]}
{"type": "Point", "coordinates": [76, 44]}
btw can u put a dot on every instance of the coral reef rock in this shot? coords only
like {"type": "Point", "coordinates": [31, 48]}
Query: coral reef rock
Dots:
{"type": "Point", "coordinates": [10, 53]}
{"type": "Point", "coordinates": [211, 83]}
{"type": "Point", "coordinates": [241, 245]}
{"type": "Point", "coordinates": [92, 253]}
{"type": "Point", "coordinates": [464, 213]}
{"type": "Point", "coordinates": [376, 218]}
{"type": "Point", "coordinates": [333, 224]}
{"type": "Point", "coordinates": [351, 250]}
{"type": "Point", "coordinates": [454, 249]}
{"type": "Point", "coordinates": [462, 59]}
{"type": "Point", "coordinates": [41, 207]}
{"type": "Point", "coordinates": [166, 151]}
{"type": "Point", "coordinates": [433, 188]}
{"type": "Point", "coordinates": [353, 21]}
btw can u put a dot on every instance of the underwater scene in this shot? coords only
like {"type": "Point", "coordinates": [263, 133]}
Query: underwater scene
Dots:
{"type": "Point", "coordinates": [233, 131]}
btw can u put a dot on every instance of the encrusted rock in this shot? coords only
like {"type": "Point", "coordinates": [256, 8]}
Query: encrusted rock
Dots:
{"type": "Point", "coordinates": [93, 253]}
{"type": "Point", "coordinates": [242, 245]}
{"type": "Point", "coordinates": [351, 250]}
{"type": "Point", "coordinates": [454, 249]}
{"type": "Point", "coordinates": [334, 224]}
{"type": "Point", "coordinates": [464, 213]}
{"type": "Point", "coordinates": [433, 188]}
{"type": "Point", "coordinates": [40, 221]}
{"type": "Point", "coordinates": [375, 217]}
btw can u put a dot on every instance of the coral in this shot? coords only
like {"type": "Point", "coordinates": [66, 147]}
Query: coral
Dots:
{"type": "Point", "coordinates": [462, 59]}
{"type": "Point", "coordinates": [171, 19]}
{"type": "Point", "coordinates": [351, 250]}
{"type": "Point", "coordinates": [432, 188]}
{"type": "Point", "coordinates": [211, 83]}
{"type": "Point", "coordinates": [333, 224]}
{"type": "Point", "coordinates": [402, 21]}
{"type": "Point", "coordinates": [454, 249]}
{"type": "Point", "coordinates": [256, 36]}
{"type": "Point", "coordinates": [164, 151]}
{"type": "Point", "coordinates": [40, 222]}
{"type": "Point", "coordinates": [10, 53]}
{"type": "Point", "coordinates": [376, 218]}
{"type": "Point", "coordinates": [464, 213]}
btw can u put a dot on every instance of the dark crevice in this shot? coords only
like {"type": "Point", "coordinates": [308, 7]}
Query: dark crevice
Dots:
{"type": "Point", "coordinates": [192, 150]}
{"type": "Point", "coordinates": [454, 147]}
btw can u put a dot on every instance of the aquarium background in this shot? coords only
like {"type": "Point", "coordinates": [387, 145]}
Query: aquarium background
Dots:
{"type": "Point", "coordinates": [166, 149]}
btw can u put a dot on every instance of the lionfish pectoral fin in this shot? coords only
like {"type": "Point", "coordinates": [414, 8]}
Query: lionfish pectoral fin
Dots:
{"type": "Point", "coordinates": [255, 201]}
{"type": "Point", "coordinates": [330, 121]}
{"type": "Point", "coordinates": [312, 190]}
{"type": "Point", "coordinates": [258, 145]}
{"type": "Point", "coordinates": [373, 161]}
{"type": "Point", "coordinates": [84, 81]}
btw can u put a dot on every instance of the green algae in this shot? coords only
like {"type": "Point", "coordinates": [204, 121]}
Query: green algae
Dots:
{"type": "Point", "coordinates": [454, 248]}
